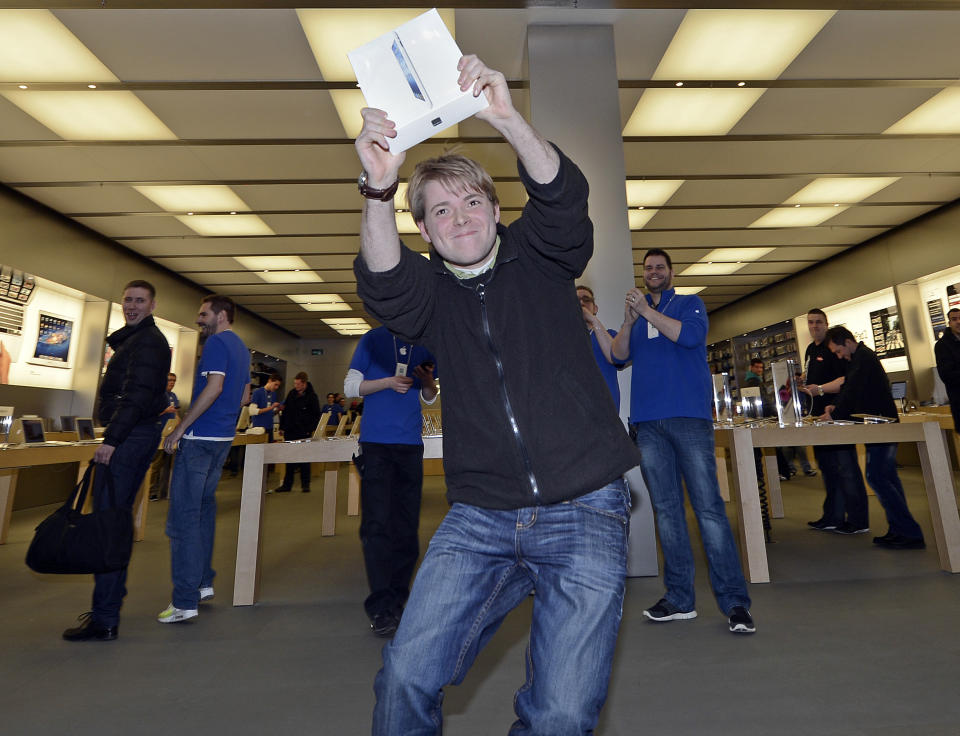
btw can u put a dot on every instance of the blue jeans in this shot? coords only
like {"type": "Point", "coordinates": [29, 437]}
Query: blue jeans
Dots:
{"type": "Point", "coordinates": [883, 478]}
{"type": "Point", "coordinates": [192, 517]}
{"type": "Point", "coordinates": [680, 451]}
{"type": "Point", "coordinates": [480, 565]}
{"type": "Point", "coordinates": [128, 466]}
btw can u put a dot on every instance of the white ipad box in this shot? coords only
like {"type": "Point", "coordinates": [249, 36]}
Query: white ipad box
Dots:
{"type": "Point", "coordinates": [411, 74]}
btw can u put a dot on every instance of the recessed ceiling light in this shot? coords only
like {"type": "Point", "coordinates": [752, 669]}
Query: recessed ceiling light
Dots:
{"type": "Point", "coordinates": [226, 225]}
{"type": "Point", "coordinates": [91, 86]}
{"type": "Point", "coordinates": [201, 198]}
{"type": "Point", "coordinates": [741, 84]}
{"type": "Point", "coordinates": [77, 116]}
{"type": "Point", "coordinates": [726, 255]}
{"type": "Point", "coordinates": [817, 194]}
{"type": "Point", "coordinates": [721, 45]}
{"type": "Point", "coordinates": [22, 86]}
{"type": "Point", "coordinates": [35, 45]}
{"type": "Point", "coordinates": [320, 302]}
{"type": "Point", "coordinates": [711, 269]}
{"type": "Point", "coordinates": [679, 84]}
{"type": "Point", "coordinates": [939, 114]}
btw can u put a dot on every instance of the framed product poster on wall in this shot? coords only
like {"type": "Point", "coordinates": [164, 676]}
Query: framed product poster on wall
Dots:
{"type": "Point", "coordinates": [887, 335]}
{"type": "Point", "coordinates": [54, 338]}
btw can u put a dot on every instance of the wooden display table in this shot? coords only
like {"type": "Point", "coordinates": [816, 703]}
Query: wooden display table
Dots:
{"type": "Point", "coordinates": [14, 458]}
{"type": "Point", "coordinates": [934, 460]}
{"type": "Point", "coordinates": [246, 587]}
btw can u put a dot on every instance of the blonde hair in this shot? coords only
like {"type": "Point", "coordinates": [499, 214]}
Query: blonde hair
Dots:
{"type": "Point", "coordinates": [453, 172]}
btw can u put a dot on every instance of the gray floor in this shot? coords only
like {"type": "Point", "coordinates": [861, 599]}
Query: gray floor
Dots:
{"type": "Point", "coordinates": [852, 640]}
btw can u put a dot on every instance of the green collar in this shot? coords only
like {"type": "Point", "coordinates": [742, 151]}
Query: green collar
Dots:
{"type": "Point", "coordinates": [462, 274]}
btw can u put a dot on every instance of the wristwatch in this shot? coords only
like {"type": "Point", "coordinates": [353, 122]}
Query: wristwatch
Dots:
{"type": "Point", "coordinates": [382, 195]}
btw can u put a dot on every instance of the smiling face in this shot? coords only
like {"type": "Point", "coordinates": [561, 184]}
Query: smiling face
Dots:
{"type": "Point", "coordinates": [210, 322]}
{"type": "Point", "coordinates": [461, 225]}
{"type": "Point", "coordinates": [137, 304]}
{"type": "Point", "coordinates": [657, 274]}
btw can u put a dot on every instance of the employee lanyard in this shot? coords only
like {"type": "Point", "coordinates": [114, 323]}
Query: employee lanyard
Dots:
{"type": "Point", "coordinates": [399, 350]}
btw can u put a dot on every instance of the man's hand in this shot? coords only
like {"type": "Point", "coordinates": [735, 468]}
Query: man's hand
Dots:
{"type": "Point", "coordinates": [827, 415]}
{"type": "Point", "coordinates": [589, 317]}
{"type": "Point", "coordinates": [381, 165]}
{"type": "Point", "coordinates": [169, 410]}
{"type": "Point", "coordinates": [103, 454]}
{"type": "Point", "coordinates": [635, 305]}
{"type": "Point", "coordinates": [474, 73]}
{"type": "Point", "coordinates": [173, 440]}
{"type": "Point", "coordinates": [400, 384]}
{"type": "Point", "coordinates": [425, 376]}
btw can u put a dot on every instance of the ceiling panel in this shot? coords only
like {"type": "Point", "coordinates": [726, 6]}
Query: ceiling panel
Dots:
{"type": "Point", "coordinates": [264, 114]}
{"type": "Point", "coordinates": [239, 87]}
{"type": "Point", "coordinates": [207, 44]}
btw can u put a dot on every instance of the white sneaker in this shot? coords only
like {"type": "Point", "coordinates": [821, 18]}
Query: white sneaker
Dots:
{"type": "Point", "coordinates": [206, 594]}
{"type": "Point", "coordinates": [171, 614]}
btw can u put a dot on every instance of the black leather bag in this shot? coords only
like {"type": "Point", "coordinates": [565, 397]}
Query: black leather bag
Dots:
{"type": "Point", "coordinates": [69, 542]}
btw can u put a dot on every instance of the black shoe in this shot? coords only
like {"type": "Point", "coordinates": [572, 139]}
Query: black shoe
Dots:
{"type": "Point", "coordinates": [664, 610]}
{"type": "Point", "coordinates": [810, 472]}
{"type": "Point", "coordinates": [898, 541]}
{"type": "Point", "coordinates": [385, 624]}
{"type": "Point", "coordinates": [741, 622]}
{"type": "Point", "coordinates": [90, 629]}
{"type": "Point", "coordinates": [848, 528]}
{"type": "Point", "coordinates": [884, 538]}
{"type": "Point", "coordinates": [306, 490]}
{"type": "Point", "coordinates": [281, 489]}
{"type": "Point", "coordinates": [822, 525]}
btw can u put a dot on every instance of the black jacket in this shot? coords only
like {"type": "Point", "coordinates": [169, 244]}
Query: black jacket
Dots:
{"type": "Point", "coordinates": [947, 351]}
{"type": "Point", "coordinates": [134, 388]}
{"type": "Point", "coordinates": [866, 389]}
{"type": "Point", "coordinates": [521, 387]}
{"type": "Point", "coordinates": [300, 415]}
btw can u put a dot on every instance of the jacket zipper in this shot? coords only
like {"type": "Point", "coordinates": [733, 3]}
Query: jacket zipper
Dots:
{"type": "Point", "coordinates": [481, 292]}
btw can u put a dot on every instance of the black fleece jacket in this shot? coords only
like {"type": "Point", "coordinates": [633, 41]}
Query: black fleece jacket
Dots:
{"type": "Point", "coordinates": [866, 389]}
{"type": "Point", "coordinates": [947, 351]}
{"type": "Point", "coordinates": [527, 417]}
{"type": "Point", "coordinates": [134, 388]}
{"type": "Point", "coordinates": [301, 414]}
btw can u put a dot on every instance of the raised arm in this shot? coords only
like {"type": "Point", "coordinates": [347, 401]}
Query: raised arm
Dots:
{"type": "Point", "coordinates": [535, 153]}
{"type": "Point", "coordinates": [379, 239]}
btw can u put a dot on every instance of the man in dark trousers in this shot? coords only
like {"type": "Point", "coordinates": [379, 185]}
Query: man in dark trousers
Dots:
{"type": "Point", "coordinates": [947, 351]}
{"type": "Point", "coordinates": [866, 390]}
{"type": "Point", "coordinates": [132, 398]}
{"type": "Point", "coordinates": [391, 374]}
{"type": "Point", "coordinates": [845, 506]}
{"type": "Point", "coordinates": [298, 420]}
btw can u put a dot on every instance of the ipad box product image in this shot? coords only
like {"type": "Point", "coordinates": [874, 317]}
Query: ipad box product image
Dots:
{"type": "Point", "coordinates": [411, 74]}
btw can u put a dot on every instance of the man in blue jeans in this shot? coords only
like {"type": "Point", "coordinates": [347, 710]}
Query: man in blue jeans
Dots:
{"type": "Point", "coordinates": [132, 398]}
{"type": "Point", "coordinates": [201, 442]}
{"type": "Point", "coordinates": [664, 334]}
{"type": "Point", "coordinates": [534, 506]}
{"type": "Point", "coordinates": [866, 390]}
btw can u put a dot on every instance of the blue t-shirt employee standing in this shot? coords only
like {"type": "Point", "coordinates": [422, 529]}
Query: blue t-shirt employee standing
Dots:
{"type": "Point", "coordinates": [201, 442]}
{"type": "Point", "coordinates": [664, 334]}
{"type": "Point", "coordinates": [264, 405]}
{"type": "Point", "coordinates": [391, 374]}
